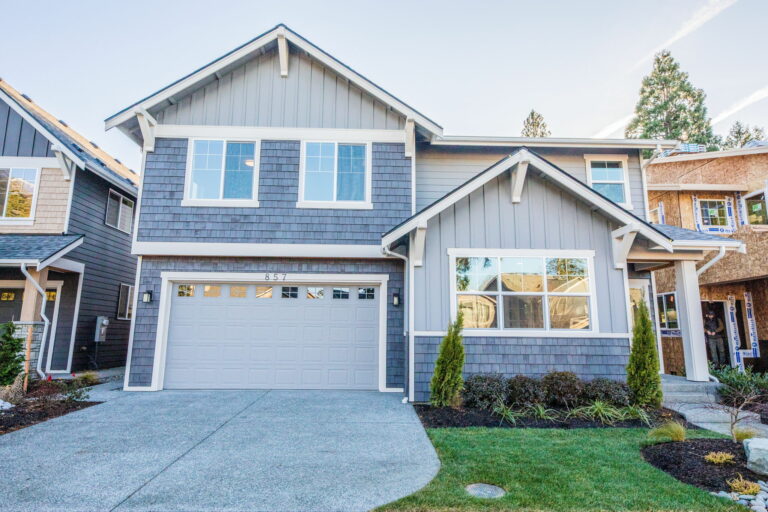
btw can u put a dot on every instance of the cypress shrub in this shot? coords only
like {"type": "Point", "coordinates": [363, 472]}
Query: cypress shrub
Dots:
{"type": "Point", "coordinates": [447, 381]}
{"type": "Point", "coordinates": [643, 369]}
{"type": "Point", "coordinates": [11, 354]}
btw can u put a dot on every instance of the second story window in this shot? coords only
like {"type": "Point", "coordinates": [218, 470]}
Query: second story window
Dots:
{"type": "Point", "coordinates": [714, 215]}
{"type": "Point", "coordinates": [222, 173]}
{"type": "Point", "coordinates": [608, 175]}
{"type": "Point", "coordinates": [335, 175]}
{"type": "Point", "coordinates": [755, 208]}
{"type": "Point", "coordinates": [119, 212]}
{"type": "Point", "coordinates": [656, 216]}
{"type": "Point", "coordinates": [18, 188]}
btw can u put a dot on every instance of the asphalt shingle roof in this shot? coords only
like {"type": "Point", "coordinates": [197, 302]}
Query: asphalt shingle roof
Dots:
{"type": "Point", "coordinates": [678, 233]}
{"type": "Point", "coordinates": [34, 247]}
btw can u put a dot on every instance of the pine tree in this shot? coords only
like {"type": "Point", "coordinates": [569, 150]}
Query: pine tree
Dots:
{"type": "Point", "coordinates": [643, 369]}
{"type": "Point", "coordinates": [740, 134]}
{"type": "Point", "coordinates": [447, 381]}
{"type": "Point", "coordinates": [670, 107]}
{"type": "Point", "coordinates": [535, 126]}
{"type": "Point", "coordinates": [11, 356]}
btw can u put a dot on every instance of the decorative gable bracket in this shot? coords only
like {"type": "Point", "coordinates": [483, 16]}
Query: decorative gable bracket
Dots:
{"type": "Point", "coordinates": [147, 125]}
{"type": "Point", "coordinates": [622, 240]}
{"type": "Point", "coordinates": [282, 49]}
{"type": "Point", "coordinates": [419, 242]}
{"type": "Point", "coordinates": [518, 180]}
{"type": "Point", "coordinates": [68, 167]}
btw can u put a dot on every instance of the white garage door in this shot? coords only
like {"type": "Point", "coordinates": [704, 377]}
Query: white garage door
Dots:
{"type": "Point", "coordinates": [241, 336]}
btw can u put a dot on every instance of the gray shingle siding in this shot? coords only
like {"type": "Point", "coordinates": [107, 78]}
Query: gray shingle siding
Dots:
{"type": "Point", "coordinates": [145, 330]}
{"type": "Point", "coordinates": [588, 358]}
{"type": "Point", "coordinates": [276, 220]}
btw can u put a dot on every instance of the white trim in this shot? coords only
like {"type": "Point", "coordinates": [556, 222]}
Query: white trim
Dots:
{"type": "Point", "coordinates": [712, 155]}
{"type": "Point", "coordinates": [69, 265]}
{"type": "Point", "coordinates": [644, 183]}
{"type": "Point", "coordinates": [52, 259]}
{"type": "Point", "coordinates": [119, 210]}
{"type": "Point", "coordinates": [624, 160]}
{"type": "Point", "coordinates": [169, 278]}
{"type": "Point", "coordinates": [54, 324]}
{"type": "Point", "coordinates": [223, 202]}
{"type": "Point", "coordinates": [132, 330]}
{"type": "Point", "coordinates": [742, 203]}
{"type": "Point", "coordinates": [611, 209]}
{"type": "Point", "coordinates": [365, 204]}
{"type": "Point", "coordinates": [37, 162]}
{"type": "Point", "coordinates": [70, 198]}
{"type": "Point", "coordinates": [182, 131]}
{"type": "Point", "coordinates": [716, 187]}
{"type": "Point", "coordinates": [730, 215]}
{"type": "Point", "coordinates": [227, 60]}
{"type": "Point", "coordinates": [131, 293]}
{"type": "Point", "coordinates": [75, 319]}
{"type": "Point", "coordinates": [256, 250]}
{"type": "Point", "coordinates": [16, 221]}
{"type": "Point", "coordinates": [493, 333]}
{"type": "Point", "coordinates": [21, 221]}
{"type": "Point", "coordinates": [659, 345]}
{"type": "Point", "coordinates": [553, 142]}
{"type": "Point", "coordinates": [589, 255]}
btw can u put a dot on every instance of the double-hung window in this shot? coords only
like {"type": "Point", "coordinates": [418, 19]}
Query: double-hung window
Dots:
{"type": "Point", "coordinates": [608, 175]}
{"type": "Point", "coordinates": [524, 290]}
{"type": "Point", "coordinates": [222, 173]}
{"type": "Point", "coordinates": [335, 175]}
{"type": "Point", "coordinates": [18, 192]}
{"type": "Point", "coordinates": [119, 212]}
{"type": "Point", "coordinates": [667, 311]}
{"type": "Point", "coordinates": [755, 208]}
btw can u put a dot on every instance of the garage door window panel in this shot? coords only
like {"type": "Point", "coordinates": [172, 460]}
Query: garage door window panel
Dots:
{"type": "Point", "coordinates": [290, 292]}
{"type": "Point", "coordinates": [211, 290]}
{"type": "Point", "coordinates": [314, 292]}
{"type": "Point", "coordinates": [238, 292]}
{"type": "Point", "coordinates": [341, 293]}
{"type": "Point", "coordinates": [186, 290]}
{"type": "Point", "coordinates": [263, 292]}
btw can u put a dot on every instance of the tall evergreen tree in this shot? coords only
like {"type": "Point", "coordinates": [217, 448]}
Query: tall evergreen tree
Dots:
{"type": "Point", "coordinates": [740, 134]}
{"type": "Point", "coordinates": [670, 107]}
{"type": "Point", "coordinates": [447, 379]}
{"type": "Point", "coordinates": [643, 376]}
{"type": "Point", "coordinates": [535, 126]}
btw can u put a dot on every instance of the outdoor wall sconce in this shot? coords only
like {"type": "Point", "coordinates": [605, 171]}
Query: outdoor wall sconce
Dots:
{"type": "Point", "coordinates": [146, 297]}
{"type": "Point", "coordinates": [396, 298]}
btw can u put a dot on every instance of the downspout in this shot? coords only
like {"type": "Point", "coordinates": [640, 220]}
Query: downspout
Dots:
{"type": "Point", "coordinates": [407, 306]}
{"type": "Point", "coordinates": [707, 265]}
{"type": "Point", "coordinates": [46, 321]}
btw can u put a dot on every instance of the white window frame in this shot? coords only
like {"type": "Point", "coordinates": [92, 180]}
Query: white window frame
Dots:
{"type": "Point", "coordinates": [659, 213]}
{"type": "Point", "coordinates": [365, 204]}
{"type": "Point", "coordinates": [743, 204]}
{"type": "Point", "coordinates": [125, 315]}
{"type": "Point", "coordinates": [594, 326]}
{"type": "Point", "coordinates": [120, 211]}
{"type": "Point", "coordinates": [624, 161]}
{"type": "Point", "coordinates": [669, 331]}
{"type": "Point", "coordinates": [730, 206]}
{"type": "Point", "coordinates": [21, 221]}
{"type": "Point", "coordinates": [188, 200]}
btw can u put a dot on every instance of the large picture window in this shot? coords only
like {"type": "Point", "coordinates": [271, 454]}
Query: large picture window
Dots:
{"type": "Point", "coordinates": [335, 175]}
{"type": "Point", "coordinates": [524, 290]}
{"type": "Point", "coordinates": [222, 172]}
{"type": "Point", "coordinates": [18, 188]}
{"type": "Point", "coordinates": [609, 176]}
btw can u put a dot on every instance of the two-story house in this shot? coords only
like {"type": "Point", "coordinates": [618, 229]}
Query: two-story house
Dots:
{"type": "Point", "coordinates": [65, 241]}
{"type": "Point", "coordinates": [723, 193]}
{"type": "Point", "coordinates": [298, 226]}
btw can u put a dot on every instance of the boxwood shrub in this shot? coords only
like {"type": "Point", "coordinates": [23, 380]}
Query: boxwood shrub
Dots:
{"type": "Point", "coordinates": [483, 391]}
{"type": "Point", "coordinates": [563, 389]}
{"type": "Point", "coordinates": [523, 391]}
{"type": "Point", "coordinates": [606, 390]}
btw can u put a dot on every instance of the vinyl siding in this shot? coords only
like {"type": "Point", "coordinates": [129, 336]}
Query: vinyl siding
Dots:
{"type": "Point", "coordinates": [106, 253]}
{"type": "Point", "coordinates": [441, 169]}
{"type": "Point", "coordinates": [254, 94]}
{"type": "Point", "coordinates": [18, 137]}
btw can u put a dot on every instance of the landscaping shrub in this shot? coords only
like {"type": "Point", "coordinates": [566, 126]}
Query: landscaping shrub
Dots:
{"type": "Point", "coordinates": [719, 458]}
{"type": "Point", "coordinates": [741, 434]}
{"type": "Point", "coordinates": [643, 369]}
{"type": "Point", "coordinates": [14, 393]}
{"type": "Point", "coordinates": [525, 391]}
{"type": "Point", "coordinates": [484, 391]}
{"type": "Point", "coordinates": [447, 380]}
{"type": "Point", "coordinates": [606, 390]}
{"type": "Point", "coordinates": [741, 486]}
{"type": "Point", "coordinates": [507, 414]}
{"type": "Point", "coordinates": [86, 379]}
{"type": "Point", "coordinates": [541, 412]}
{"type": "Point", "coordinates": [562, 388]}
{"type": "Point", "coordinates": [11, 354]}
{"type": "Point", "coordinates": [603, 412]}
{"type": "Point", "coordinates": [635, 412]}
{"type": "Point", "coordinates": [737, 384]}
{"type": "Point", "coordinates": [670, 431]}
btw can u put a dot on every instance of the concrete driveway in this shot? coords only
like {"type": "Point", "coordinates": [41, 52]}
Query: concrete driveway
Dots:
{"type": "Point", "coordinates": [219, 450]}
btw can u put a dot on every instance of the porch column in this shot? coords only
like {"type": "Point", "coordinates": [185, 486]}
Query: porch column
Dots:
{"type": "Point", "coordinates": [32, 301]}
{"type": "Point", "coordinates": [690, 320]}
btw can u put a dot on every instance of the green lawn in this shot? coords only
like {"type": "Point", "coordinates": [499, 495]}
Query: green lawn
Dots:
{"type": "Point", "coordinates": [552, 470]}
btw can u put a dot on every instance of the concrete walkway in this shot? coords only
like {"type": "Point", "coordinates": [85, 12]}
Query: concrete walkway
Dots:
{"type": "Point", "coordinates": [219, 450]}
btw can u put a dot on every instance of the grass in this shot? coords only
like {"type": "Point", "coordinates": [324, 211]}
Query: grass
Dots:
{"type": "Point", "coordinates": [553, 470]}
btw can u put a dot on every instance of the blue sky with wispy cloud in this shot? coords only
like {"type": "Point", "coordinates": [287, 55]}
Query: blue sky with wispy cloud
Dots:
{"type": "Point", "coordinates": [477, 68]}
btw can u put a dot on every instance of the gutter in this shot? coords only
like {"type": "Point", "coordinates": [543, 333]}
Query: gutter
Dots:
{"type": "Point", "coordinates": [707, 265]}
{"type": "Point", "coordinates": [42, 315]}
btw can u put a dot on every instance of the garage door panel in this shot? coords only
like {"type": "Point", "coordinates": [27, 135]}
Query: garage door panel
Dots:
{"type": "Point", "coordinates": [236, 341]}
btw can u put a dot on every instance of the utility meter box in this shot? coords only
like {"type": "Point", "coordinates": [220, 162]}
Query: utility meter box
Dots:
{"type": "Point", "coordinates": [102, 322]}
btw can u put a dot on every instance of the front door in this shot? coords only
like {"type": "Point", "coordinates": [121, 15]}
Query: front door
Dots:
{"type": "Point", "coordinates": [640, 290]}
{"type": "Point", "coordinates": [725, 338]}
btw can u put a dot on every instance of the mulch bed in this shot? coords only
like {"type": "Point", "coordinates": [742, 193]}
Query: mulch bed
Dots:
{"type": "Point", "coordinates": [32, 412]}
{"type": "Point", "coordinates": [685, 461]}
{"type": "Point", "coordinates": [447, 417]}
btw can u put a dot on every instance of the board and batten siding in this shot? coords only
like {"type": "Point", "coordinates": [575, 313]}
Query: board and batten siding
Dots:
{"type": "Point", "coordinates": [547, 217]}
{"type": "Point", "coordinates": [18, 137]}
{"type": "Point", "coordinates": [145, 330]}
{"type": "Point", "coordinates": [106, 253]}
{"type": "Point", "coordinates": [254, 94]}
{"type": "Point", "coordinates": [441, 169]}
{"type": "Point", "coordinates": [277, 219]}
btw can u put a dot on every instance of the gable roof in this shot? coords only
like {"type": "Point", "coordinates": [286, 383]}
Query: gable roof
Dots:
{"type": "Point", "coordinates": [38, 250]}
{"type": "Point", "coordinates": [235, 57]}
{"type": "Point", "coordinates": [650, 231]}
{"type": "Point", "coordinates": [79, 149]}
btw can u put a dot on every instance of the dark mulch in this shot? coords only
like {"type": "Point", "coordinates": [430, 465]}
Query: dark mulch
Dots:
{"type": "Point", "coordinates": [685, 461]}
{"type": "Point", "coordinates": [37, 411]}
{"type": "Point", "coordinates": [447, 417]}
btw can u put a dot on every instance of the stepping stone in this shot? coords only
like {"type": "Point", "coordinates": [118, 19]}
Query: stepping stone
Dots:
{"type": "Point", "coordinates": [485, 491]}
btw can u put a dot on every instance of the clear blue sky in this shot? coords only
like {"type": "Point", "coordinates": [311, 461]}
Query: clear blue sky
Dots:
{"type": "Point", "coordinates": [475, 67]}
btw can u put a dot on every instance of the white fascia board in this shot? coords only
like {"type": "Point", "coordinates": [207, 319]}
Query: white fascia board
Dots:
{"type": "Point", "coordinates": [711, 155]}
{"type": "Point", "coordinates": [716, 187]}
{"type": "Point", "coordinates": [268, 277]}
{"type": "Point", "coordinates": [52, 259]}
{"type": "Point", "coordinates": [257, 250]}
{"type": "Point", "coordinates": [38, 162]}
{"type": "Point", "coordinates": [278, 133]}
{"type": "Point", "coordinates": [708, 244]}
{"type": "Point", "coordinates": [472, 140]}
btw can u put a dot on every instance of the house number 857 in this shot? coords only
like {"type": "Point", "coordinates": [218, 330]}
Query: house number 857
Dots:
{"type": "Point", "coordinates": [274, 276]}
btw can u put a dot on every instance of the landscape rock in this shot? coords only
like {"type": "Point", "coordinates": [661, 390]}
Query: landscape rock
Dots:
{"type": "Point", "coordinates": [757, 456]}
{"type": "Point", "coordinates": [4, 406]}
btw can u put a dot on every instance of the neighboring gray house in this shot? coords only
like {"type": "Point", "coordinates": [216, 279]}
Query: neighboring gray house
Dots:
{"type": "Point", "coordinates": [300, 227]}
{"type": "Point", "coordinates": [65, 242]}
